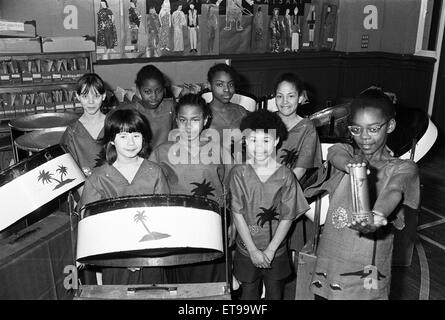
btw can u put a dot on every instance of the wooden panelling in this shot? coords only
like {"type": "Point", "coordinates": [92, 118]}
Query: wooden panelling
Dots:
{"type": "Point", "coordinates": [337, 75]}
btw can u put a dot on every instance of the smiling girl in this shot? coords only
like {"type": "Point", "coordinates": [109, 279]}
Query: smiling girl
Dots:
{"type": "Point", "coordinates": [82, 138]}
{"type": "Point", "coordinates": [126, 173]}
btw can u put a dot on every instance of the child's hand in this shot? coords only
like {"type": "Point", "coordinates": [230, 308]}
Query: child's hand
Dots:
{"type": "Point", "coordinates": [134, 269]}
{"type": "Point", "coordinates": [259, 259]}
{"type": "Point", "coordinates": [270, 254]}
{"type": "Point", "coordinates": [365, 225]}
{"type": "Point", "coordinates": [357, 161]}
{"type": "Point", "coordinates": [231, 232]}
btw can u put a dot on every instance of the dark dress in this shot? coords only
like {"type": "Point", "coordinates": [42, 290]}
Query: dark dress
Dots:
{"type": "Point", "coordinates": [85, 150]}
{"type": "Point", "coordinates": [301, 149]}
{"type": "Point", "coordinates": [161, 120]}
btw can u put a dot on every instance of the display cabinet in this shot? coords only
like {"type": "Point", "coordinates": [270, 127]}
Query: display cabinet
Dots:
{"type": "Point", "coordinates": [38, 83]}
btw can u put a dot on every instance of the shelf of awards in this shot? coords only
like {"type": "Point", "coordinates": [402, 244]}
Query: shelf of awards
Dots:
{"type": "Point", "coordinates": [38, 83]}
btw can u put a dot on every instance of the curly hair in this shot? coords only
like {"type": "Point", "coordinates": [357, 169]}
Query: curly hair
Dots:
{"type": "Point", "coordinates": [265, 120]}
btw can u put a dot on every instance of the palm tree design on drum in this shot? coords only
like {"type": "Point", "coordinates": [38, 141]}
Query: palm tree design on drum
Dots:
{"type": "Point", "coordinates": [203, 189]}
{"type": "Point", "coordinates": [267, 215]}
{"type": "Point", "coordinates": [47, 177]}
{"type": "Point", "coordinates": [151, 235]}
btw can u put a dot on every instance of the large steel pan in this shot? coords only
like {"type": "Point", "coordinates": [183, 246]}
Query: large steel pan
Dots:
{"type": "Point", "coordinates": [150, 230]}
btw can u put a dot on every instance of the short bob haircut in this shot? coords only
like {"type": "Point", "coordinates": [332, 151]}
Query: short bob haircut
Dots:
{"type": "Point", "coordinates": [125, 120]}
{"type": "Point", "coordinates": [192, 99]}
{"type": "Point", "coordinates": [265, 120]}
{"type": "Point", "coordinates": [373, 98]}
{"type": "Point", "coordinates": [90, 81]}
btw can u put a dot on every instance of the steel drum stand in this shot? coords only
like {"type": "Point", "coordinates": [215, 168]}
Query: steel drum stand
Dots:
{"type": "Point", "coordinates": [183, 291]}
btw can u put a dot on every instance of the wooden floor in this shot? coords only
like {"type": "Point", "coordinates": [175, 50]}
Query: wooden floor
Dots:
{"type": "Point", "coordinates": [424, 279]}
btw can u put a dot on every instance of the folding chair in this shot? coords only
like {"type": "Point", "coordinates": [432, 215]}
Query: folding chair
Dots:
{"type": "Point", "coordinates": [245, 100]}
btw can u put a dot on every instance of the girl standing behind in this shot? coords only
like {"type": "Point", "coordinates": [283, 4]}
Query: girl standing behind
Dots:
{"type": "Point", "coordinates": [151, 84]}
{"type": "Point", "coordinates": [82, 138]}
{"type": "Point", "coordinates": [301, 150]}
{"type": "Point", "coordinates": [126, 172]}
{"type": "Point", "coordinates": [189, 171]}
{"type": "Point", "coordinates": [225, 115]}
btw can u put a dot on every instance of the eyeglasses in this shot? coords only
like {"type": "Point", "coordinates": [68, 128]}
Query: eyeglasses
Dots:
{"type": "Point", "coordinates": [372, 131]}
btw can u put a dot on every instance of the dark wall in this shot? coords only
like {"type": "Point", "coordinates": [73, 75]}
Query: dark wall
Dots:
{"type": "Point", "coordinates": [337, 75]}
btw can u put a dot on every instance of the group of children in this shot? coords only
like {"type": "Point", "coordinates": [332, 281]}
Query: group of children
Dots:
{"type": "Point", "coordinates": [129, 152]}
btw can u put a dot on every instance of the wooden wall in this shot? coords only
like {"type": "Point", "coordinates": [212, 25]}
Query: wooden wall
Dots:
{"type": "Point", "coordinates": [337, 75]}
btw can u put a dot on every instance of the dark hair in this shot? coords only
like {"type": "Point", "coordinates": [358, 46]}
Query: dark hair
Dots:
{"type": "Point", "coordinates": [291, 78]}
{"type": "Point", "coordinates": [373, 98]}
{"type": "Point", "coordinates": [88, 81]}
{"type": "Point", "coordinates": [150, 72]}
{"type": "Point", "coordinates": [105, 2]}
{"type": "Point", "coordinates": [222, 67]}
{"type": "Point", "coordinates": [265, 120]}
{"type": "Point", "coordinates": [194, 100]}
{"type": "Point", "coordinates": [125, 120]}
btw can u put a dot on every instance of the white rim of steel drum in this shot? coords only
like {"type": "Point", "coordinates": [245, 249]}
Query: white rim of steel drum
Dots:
{"type": "Point", "coordinates": [177, 230]}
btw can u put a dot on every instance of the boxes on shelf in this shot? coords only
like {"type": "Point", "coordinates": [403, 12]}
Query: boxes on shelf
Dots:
{"type": "Point", "coordinates": [17, 29]}
{"type": "Point", "coordinates": [20, 45]}
{"type": "Point", "coordinates": [68, 44]}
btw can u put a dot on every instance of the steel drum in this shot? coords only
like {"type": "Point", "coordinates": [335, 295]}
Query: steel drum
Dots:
{"type": "Point", "coordinates": [412, 125]}
{"type": "Point", "coordinates": [35, 181]}
{"type": "Point", "coordinates": [38, 140]}
{"type": "Point", "coordinates": [332, 122]}
{"type": "Point", "coordinates": [40, 121]}
{"type": "Point", "coordinates": [150, 230]}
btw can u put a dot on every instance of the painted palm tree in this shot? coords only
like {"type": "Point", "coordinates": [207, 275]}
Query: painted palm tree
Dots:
{"type": "Point", "coordinates": [203, 189]}
{"type": "Point", "coordinates": [140, 217]}
{"type": "Point", "coordinates": [289, 158]}
{"type": "Point", "coordinates": [63, 171]}
{"type": "Point", "coordinates": [267, 215]}
{"type": "Point", "coordinates": [47, 177]}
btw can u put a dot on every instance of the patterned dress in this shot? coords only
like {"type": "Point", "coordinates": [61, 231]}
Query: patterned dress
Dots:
{"type": "Point", "coordinates": [178, 21]}
{"type": "Point", "coordinates": [106, 30]}
{"type": "Point", "coordinates": [351, 265]}
{"type": "Point", "coordinates": [263, 205]}
{"type": "Point", "coordinates": [164, 36]}
{"type": "Point", "coordinates": [301, 149]}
